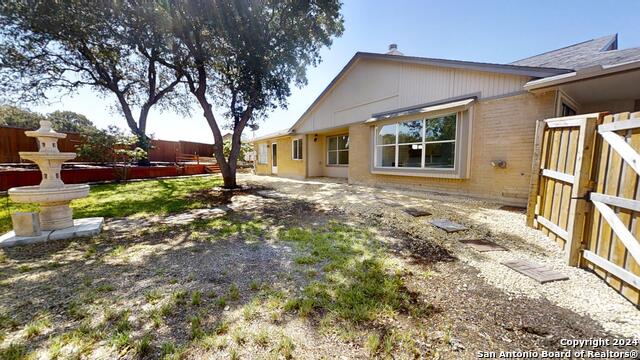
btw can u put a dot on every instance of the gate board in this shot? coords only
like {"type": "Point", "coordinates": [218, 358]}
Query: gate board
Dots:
{"type": "Point", "coordinates": [562, 151]}
{"type": "Point", "coordinates": [611, 243]}
{"type": "Point", "coordinates": [585, 194]}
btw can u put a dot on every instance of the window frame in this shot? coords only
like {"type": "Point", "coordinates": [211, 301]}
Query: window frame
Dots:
{"type": "Point", "coordinates": [297, 149]}
{"type": "Point", "coordinates": [396, 145]}
{"type": "Point", "coordinates": [337, 150]}
{"type": "Point", "coordinates": [261, 153]}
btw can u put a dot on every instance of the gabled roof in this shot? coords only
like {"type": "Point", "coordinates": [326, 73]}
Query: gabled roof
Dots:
{"type": "Point", "coordinates": [532, 71]}
{"type": "Point", "coordinates": [600, 51]}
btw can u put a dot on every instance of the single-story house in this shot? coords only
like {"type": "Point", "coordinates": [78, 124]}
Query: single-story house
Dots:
{"type": "Point", "coordinates": [446, 125]}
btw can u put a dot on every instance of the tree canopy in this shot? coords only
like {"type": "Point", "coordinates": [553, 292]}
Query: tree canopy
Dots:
{"type": "Point", "coordinates": [62, 121]}
{"type": "Point", "coordinates": [238, 58]}
{"type": "Point", "coordinates": [61, 46]}
{"type": "Point", "coordinates": [242, 57]}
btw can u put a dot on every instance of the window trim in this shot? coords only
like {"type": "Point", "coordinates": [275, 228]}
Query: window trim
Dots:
{"type": "Point", "coordinates": [294, 148]}
{"type": "Point", "coordinates": [266, 154]}
{"type": "Point", "coordinates": [463, 152]}
{"type": "Point", "coordinates": [337, 151]}
{"type": "Point", "coordinates": [563, 99]}
{"type": "Point", "coordinates": [422, 143]}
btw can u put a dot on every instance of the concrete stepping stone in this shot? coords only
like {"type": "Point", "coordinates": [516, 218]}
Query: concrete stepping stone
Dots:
{"type": "Point", "coordinates": [517, 209]}
{"type": "Point", "coordinates": [537, 272]}
{"type": "Point", "coordinates": [417, 211]}
{"type": "Point", "coordinates": [448, 225]}
{"type": "Point", "coordinates": [483, 245]}
{"type": "Point", "coordinates": [389, 202]}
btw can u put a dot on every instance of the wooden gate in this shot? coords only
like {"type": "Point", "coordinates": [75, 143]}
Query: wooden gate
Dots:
{"type": "Point", "coordinates": [586, 194]}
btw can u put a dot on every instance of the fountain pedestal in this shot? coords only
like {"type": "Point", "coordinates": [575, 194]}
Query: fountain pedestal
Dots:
{"type": "Point", "coordinates": [53, 195]}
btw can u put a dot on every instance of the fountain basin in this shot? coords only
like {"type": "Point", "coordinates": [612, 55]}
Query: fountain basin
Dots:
{"type": "Point", "coordinates": [37, 194]}
{"type": "Point", "coordinates": [35, 156]}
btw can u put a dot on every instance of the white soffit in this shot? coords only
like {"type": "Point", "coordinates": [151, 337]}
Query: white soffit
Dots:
{"type": "Point", "coordinates": [453, 106]}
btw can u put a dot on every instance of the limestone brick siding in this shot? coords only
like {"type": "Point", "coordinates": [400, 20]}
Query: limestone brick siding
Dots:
{"type": "Point", "coordinates": [501, 129]}
{"type": "Point", "coordinates": [287, 166]}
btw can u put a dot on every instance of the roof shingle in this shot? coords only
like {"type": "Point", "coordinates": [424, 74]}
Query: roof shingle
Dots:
{"type": "Point", "coordinates": [600, 51]}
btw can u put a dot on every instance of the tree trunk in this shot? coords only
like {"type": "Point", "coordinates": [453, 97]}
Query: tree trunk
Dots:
{"type": "Point", "coordinates": [229, 177]}
{"type": "Point", "coordinates": [228, 171]}
{"type": "Point", "coordinates": [144, 143]}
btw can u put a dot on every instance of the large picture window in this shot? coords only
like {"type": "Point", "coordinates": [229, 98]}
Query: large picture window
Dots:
{"type": "Point", "coordinates": [296, 149]}
{"type": "Point", "coordinates": [426, 143]}
{"type": "Point", "coordinates": [338, 150]}
{"type": "Point", "coordinates": [262, 154]}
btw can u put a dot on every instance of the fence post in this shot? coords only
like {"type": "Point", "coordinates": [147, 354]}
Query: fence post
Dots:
{"type": "Point", "coordinates": [535, 172]}
{"type": "Point", "coordinates": [578, 207]}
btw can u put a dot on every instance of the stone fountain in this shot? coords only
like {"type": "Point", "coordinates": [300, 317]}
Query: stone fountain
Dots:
{"type": "Point", "coordinates": [55, 219]}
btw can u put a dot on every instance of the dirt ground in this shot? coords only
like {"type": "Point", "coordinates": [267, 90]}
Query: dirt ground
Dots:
{"type": "Point", "coordinates": [249, 277]}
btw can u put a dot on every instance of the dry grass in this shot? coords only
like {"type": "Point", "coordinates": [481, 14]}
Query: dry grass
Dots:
{"type": "Point", "coordinates": [273, 278]}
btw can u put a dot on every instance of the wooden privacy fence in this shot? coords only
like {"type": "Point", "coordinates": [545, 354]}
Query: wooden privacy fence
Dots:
{"type": "Point", "coordinates": [14, 140]}
{"type": "Point", "coordinates": [585, 194]}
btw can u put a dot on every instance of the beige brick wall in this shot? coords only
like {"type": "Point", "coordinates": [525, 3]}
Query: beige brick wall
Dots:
{"type": "Point", "coordinates": [263, 169]}
{"type": "Point", "coordinates": [502, 129]}
{"type": "Point", "coordinates": [287, 166]}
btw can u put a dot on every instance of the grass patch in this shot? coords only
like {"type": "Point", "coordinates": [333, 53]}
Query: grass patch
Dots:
{"type": "Point", "coordinates": [254, 285]}
{"type": "Point", "coordinates": [14, 351]}
{"type": "Point", "coordinates": [261, 338]}
{"type": "Point", "coordinates": [285, 347]}
{"type": "Point", "coordinates": [221, 327]}
{"type": "Point", "coordinates": [239, 336]}
{"type": "Point", "coordinates": [150, 197]}
{"type": "Point", "coordinates": [373, 344]}
{"type": "Point", "coordinates": [143, 346]}
{"type": "Point", "coordinates": [234, 292]}
{"type": "Point", "coordinates": [226, 226]}
{"type": "Point", "coordinates": [167, 349]}
{"type": "Point", "coordinates": [251, 310]}
{"type": "Point", "coordinates": [221, 302]}
{"type": "Point", "coordinates": [121, 340]}
{"type": "Point", "coordinates": [76, 311]}
{"type": "Point", "coordinates": [37, 326]}
{"type": "Point", "coordinates": [167, 308]}
{"type": "Point", "coordinates": [105, 288]}
{"type": "Point", "coordinates": [195, 331]}
{"type": "Point", "coordinates": [179, 297]}
{"type": "Point", "coordinates": [153, 296]}
{"type": "Point", "coordinates": [358, 285]}
{"type": "Point", "coordinates": [196, 298]}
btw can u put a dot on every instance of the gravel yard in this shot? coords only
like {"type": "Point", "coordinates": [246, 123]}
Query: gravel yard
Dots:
{"type": "Point", "coordinates": [583, 293]}
{"type": "Point", "coordinates": [297, 269]}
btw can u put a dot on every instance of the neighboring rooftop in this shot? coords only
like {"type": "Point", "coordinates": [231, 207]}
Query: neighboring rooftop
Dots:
{"type": "Point", "coordinates": [600, 51]}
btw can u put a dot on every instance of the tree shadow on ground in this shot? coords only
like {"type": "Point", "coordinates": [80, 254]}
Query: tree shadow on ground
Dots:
{"type": "Point", "coordinates": [274, 271]}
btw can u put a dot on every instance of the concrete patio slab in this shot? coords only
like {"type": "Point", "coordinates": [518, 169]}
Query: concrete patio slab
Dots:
{"type": "Point", "coordinates": [448, 225]}
{"type": "Point", "coordinates": [81, 227]}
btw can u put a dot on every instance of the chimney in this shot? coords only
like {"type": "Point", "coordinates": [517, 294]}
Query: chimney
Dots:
{"type": "Point", "coordinates": [393, 50]}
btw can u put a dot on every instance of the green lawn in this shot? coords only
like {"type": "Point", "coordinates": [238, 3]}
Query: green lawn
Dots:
{"type": "Point", "coordinates": [123, 199]}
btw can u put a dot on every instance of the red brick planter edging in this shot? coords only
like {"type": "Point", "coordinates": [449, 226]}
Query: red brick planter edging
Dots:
{"type": "Point", "coordinates": [14, 178]}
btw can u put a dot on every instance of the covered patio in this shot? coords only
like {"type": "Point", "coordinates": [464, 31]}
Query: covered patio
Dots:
{"type": "Point", "coordinates": [611, 88]}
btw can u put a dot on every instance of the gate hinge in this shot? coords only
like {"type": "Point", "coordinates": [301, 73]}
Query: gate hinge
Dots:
{"type": "Point", "coordinates": [587, 196]}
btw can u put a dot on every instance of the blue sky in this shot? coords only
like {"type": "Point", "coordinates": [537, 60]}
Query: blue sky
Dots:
{"type": "Point", "coordinates": [487, 31]}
